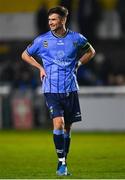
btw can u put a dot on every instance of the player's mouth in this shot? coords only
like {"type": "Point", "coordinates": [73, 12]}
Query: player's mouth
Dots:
{"type": "Point", "coordinates": [52, 26]}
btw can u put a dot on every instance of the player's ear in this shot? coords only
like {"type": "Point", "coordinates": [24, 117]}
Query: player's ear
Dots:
{"type": "Point", "coordinates": [64, 20]}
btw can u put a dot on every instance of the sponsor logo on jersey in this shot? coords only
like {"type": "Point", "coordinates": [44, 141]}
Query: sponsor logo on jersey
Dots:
{"type": "Point", "coordinates": [60, 54]}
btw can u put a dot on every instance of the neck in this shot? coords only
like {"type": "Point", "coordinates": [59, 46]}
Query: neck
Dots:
{"type": "Point", "coordinates": [60, 32]}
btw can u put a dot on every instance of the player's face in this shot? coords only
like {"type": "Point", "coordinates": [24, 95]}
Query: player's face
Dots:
{"type": "Point", "coordinates": [55, 22]}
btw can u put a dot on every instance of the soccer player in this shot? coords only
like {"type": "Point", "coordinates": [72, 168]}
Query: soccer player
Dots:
{"type": "Point", "coordinates": [61, 51]}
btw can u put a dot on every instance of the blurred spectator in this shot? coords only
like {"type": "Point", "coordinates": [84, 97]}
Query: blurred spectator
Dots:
{"type": "Point", "coordinates": [121, 11]}
{"type": "Point", "coordinates": [98, 68]}
{"type": "Point", "coordinates": [42, 19]}
{"type": "Point", "coordinates": [112, 71]}
{"type": "Point", "coordinates": [88, 17]}
{"type": "Point", "coordinates": [116, 80]}
{"type": "Point", "coordinates": [24, 78]}
{"type": "Point", "coordinates": [7, 73]}
{"type": "Point", "coordinates": [110, 24]}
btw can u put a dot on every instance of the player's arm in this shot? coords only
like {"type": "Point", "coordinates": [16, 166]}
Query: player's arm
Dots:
{"type": "Point", "coordinates": [89, 54]}
{"type": "Point", "coordinates": [29, 59]}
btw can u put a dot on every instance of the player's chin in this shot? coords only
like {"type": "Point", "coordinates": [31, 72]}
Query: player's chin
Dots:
{"type": "Point", "coordinates": [52, 28]}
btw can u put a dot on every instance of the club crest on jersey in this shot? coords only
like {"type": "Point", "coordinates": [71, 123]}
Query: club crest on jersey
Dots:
{"type": "Point", "coordinates": [75, 44]}
{"type": "Point", "coordinates": [45, 44]}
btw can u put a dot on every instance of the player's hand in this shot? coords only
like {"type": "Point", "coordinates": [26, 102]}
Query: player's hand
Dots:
{"type": "Point", "coordinates": [78, 65]}
{"type": "Point", "coordinates": [42, 73]}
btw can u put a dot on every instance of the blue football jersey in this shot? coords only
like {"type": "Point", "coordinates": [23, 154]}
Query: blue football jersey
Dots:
{"type": "Point", "coordinates": [59, 57]}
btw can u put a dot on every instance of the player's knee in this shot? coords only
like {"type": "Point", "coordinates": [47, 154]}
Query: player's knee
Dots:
{"type": "Point", "coordinates": [58, 123]}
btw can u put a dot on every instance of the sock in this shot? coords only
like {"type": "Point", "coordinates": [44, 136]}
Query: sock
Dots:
{"type": "Point", "coordinates": [67, 139]}
{"type": "Point", "coordinates": [58, 136]}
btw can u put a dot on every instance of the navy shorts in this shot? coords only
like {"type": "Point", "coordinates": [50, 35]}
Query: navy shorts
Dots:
{"type": "Point", "coordinates": [64, 105]}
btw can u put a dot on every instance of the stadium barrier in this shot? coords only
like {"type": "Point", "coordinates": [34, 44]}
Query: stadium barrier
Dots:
{"type": "Point", "coordinates": [102, 109]}
{"type": "Point", "coordinates": [5, 109]}
{"type": "Point", "coordinates": [22, 109]}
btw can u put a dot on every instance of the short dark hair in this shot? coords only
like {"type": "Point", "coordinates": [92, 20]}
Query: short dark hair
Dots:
{"type": "Point", "coordinates": [60, 10]}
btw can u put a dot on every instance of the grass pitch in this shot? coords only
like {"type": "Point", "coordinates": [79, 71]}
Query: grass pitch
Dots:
{"type": "Point", "coordinates": [31, 155]}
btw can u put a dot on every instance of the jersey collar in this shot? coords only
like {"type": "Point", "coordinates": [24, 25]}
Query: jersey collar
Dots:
{"type": "Point", "coordinates": [60, 36]}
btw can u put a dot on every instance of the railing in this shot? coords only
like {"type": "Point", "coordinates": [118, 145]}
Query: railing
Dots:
{"type": "Point", "coordinates": [103, 90]}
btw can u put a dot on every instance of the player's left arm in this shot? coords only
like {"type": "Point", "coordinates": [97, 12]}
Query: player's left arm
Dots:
{"type": "Point", "coordinates": [87, 56]}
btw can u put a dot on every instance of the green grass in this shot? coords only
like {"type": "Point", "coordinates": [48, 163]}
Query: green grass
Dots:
{"type": "Point", "coordinates": [31, 155]}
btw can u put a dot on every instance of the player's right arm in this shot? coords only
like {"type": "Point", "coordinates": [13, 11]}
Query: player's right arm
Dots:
{"type": "Point", "coordinates": [29, 59]}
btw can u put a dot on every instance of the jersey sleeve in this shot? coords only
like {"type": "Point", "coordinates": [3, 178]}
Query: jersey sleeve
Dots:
{"type": "Point", "coordinates": [83, 45]}
{"type": "Point", "coordinates": [33, 48]}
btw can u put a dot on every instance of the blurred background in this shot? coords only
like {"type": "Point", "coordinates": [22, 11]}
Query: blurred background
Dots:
{"type": "Point", "coordinates": [102, 80]}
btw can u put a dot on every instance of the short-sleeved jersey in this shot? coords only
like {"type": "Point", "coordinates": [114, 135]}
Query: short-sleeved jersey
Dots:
{"type": "Point", "coordinates": [59, 57]}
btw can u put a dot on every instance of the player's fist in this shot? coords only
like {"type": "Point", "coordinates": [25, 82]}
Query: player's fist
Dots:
{"type": "Point", "coordinates": [42, 73]}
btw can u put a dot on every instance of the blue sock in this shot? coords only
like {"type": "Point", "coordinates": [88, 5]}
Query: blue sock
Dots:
{"type": "Point", "coordinates": [67, 139]}
{"type": "Point", "coordinates": [58, 137]}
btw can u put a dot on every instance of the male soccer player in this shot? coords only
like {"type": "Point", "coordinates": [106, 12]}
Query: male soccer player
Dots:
{"type": "Point", "coordinates": [61, 50]}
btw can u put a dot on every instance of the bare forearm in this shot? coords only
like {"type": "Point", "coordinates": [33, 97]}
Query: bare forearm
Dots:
{"type": "Point", "coordinates": [31, 60]}
{"type": "Point", "coordinates": [87, 56]}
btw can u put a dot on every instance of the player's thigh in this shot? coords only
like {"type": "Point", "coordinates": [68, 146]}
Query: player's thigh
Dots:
{"type": "Point", "coordinates": [54, 105]}
{"type": "Point", "coordinates": [72, 112]}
